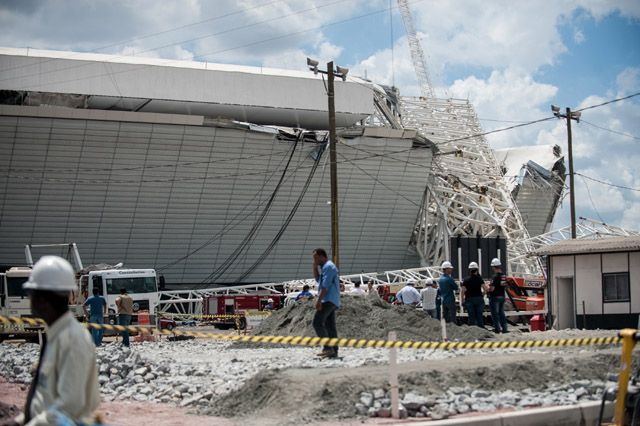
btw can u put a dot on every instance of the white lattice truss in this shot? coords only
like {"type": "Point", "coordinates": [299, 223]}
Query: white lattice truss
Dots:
{"type": "Point", "coordinates": [469, 196]}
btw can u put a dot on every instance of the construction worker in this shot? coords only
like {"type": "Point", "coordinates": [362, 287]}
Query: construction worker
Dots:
{"type": "Point", "coordinates": [471, 295]}
{"type": "Point", "coordinates": [65, 388]}
{"type": "Point", "coordinates": [124, 303]}
{"type": "Point", "coordinates": [324, 321]}
{"type": "Point", "coordinates": [496, 297]}
{"type": "Point", "coordinates": [447, 287]}
{"type": "Point", "coordinates": [429, 294]}
{"type": "Point", "coordinates": [408, 295]}
{"type": "Point", "coordinates": [269, 305]}
{"type": "Point", "coordinates": [98, 310]}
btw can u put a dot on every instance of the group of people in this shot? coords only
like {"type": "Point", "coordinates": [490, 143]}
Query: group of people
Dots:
{"type": "Point", "coordinates": [65, 386]}
{"type": "Point", "coordinates": [438, 298]}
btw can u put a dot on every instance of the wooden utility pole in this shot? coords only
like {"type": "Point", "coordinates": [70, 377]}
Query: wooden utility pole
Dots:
{"type": "Point", "coordinates": [335, 244]}
{"type": "Point", "coordinates": [572, 195]}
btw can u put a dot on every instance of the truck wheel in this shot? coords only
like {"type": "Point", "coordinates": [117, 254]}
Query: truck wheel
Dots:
{"type": "Point", "coordinates": [169, 327]}
{"type": "Point", "coordinates": [242, 323]}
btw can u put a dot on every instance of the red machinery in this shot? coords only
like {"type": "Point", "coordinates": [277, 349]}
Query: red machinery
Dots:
{"type": "Point", "coordinates": [239, 304]}
{"type": "Point", "coordinates": [526, 293]}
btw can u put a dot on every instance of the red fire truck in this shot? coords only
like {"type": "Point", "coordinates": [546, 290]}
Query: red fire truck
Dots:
{"type": "Point", "coordinates": [240, 304]}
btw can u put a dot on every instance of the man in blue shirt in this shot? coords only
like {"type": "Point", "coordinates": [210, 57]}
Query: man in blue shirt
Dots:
{"type": "Point", "coordinates": [98, 308]}
{"type": "Point", "coordinates": [324, 322]}
{"type": "Point", "coordinates": [305, 294]}
{"type": "Point", "coordinates": [447, 287]}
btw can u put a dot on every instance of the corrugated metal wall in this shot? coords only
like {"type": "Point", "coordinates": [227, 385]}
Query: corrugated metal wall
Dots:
{"type": "Point", "coordinates": [150, 194]}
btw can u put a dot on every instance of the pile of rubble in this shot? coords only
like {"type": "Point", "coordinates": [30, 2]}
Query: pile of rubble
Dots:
{"type": "Point", "coordinates": [462, 400]}
{"type": "Point", "coordinates": [367, 318]}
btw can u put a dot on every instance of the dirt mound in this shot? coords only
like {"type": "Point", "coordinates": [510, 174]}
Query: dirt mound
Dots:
{"type": "Point", "coordinates": [367, 318]}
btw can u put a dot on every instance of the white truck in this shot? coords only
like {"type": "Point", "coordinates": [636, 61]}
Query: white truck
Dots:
{"type": "Point", "coordinates": [141, 285]}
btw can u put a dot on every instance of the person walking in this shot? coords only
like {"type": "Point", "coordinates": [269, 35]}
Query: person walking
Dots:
{"type": "Point", "coordinates": [97, 311]}
{"type": "Point", "coordinates": [408, 295]}
{"type": "Point", "coordinates": [324, 321]}
{"type": "Point", "coordinates": [447, 287]}
{"type": "Point", "coordinates": [124, 303]}
{"type": "Point", "coordinates": [429, 294]}
{"type": "Point", "coordinates": [65, 387]}
{"type": "Point", "coordinates": [471, 296]}
{"type": "Point", "coordinates": [496, 297]}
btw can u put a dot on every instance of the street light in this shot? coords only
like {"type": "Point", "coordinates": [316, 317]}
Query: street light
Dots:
{"type": "Point", "coordinates": [331, 73]}
{"type": "Point", "coordinates": [575, 115]}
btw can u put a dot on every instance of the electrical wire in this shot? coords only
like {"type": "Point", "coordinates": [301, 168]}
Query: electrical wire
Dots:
{"type": "Point", "coordinates": [610, 130]}
{"type": "Point", "coordinates": [246, 241]}
{"type": "Point", "coordinates": [284, 226]}
{"type": "Point", "coordinates": [181, 27]}
{"type": "Point", "coordinates": [591, 199]}
{"type": "Point", "coordinates": [608, 102]}
{"type": "Point", "coordinates": [608, 183]}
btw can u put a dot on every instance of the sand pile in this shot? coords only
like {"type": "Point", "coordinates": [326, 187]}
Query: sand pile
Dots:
{"type": "Point", "coordinates": [367, 318]}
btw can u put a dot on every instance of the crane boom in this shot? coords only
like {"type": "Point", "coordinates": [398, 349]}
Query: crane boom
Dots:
{"type": "Point", "coordinates": [417, 54]}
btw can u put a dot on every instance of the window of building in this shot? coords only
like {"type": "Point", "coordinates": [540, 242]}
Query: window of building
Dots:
{"type": "Point", "coordinates": [615, 287]}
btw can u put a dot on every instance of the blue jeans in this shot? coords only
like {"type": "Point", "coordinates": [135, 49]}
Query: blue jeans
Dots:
{"type": "Point", "coordinates": [97, 334]}
{"type": "Point", "coordinates": [497, 314]}
{"type": "Point", "coordinates": [125, 320]}
{"type": "Point", "coordinates": [324, 323]}
{"type": "Point", "coordinates": [475, 309]}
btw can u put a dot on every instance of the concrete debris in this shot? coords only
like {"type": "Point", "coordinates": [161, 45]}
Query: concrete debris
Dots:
{"type": "Point", "coordinates": [462, 400]}
{"type": "Point", "coordinates": [408, 322]}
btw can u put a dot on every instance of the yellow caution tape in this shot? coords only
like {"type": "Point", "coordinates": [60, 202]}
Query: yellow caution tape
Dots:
{"type": "Point", "coordinates": [344, 342]}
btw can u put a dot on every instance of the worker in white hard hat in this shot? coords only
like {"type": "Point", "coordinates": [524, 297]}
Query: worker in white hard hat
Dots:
{"type": "Point", "coordinates": [65, 387]}
{"type": "Point", "coordinates": [429, 294]}
{"type": "Point", "coordinates": [471, 295]}
{"type": "Point", "coordinates": [408, 295]}
{"type": "Point", "coordinates": [269, 305]}
{"type": "Point", "coordinates": [496, 297]}
{"type": "Point", "coordinates": [447, 288]}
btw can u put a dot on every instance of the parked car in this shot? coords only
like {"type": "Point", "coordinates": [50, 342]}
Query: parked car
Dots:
{"type": "Point", "coordinates": [167, 324]}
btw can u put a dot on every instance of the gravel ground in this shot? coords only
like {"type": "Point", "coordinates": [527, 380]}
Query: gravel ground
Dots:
{"type": "Point", "coordinates": [217, 378]}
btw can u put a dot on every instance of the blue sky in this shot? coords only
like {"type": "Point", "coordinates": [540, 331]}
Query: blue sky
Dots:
{"type": "Point", "coordinates": [512, 60]}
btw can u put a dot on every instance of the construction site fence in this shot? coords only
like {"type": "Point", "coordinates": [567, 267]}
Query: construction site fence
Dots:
{"type": "Point", "coordinates": [341, 342]}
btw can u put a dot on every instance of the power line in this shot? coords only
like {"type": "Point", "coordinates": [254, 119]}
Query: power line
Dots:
{"type": "Point", "coordinates": [181, 27]}
{"type": "Point", "coordinates": [608, 183]}
{"type": "Point", "coordinates": [608, 102]}
{"type": "Point", "coordinates": [610, 130]}
{"type": "Point", "coordinates": [591, 198]}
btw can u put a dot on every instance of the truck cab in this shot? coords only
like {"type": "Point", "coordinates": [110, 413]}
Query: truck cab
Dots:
{"type": "Point", "coordinates": [14, 300]}
{"type": "Point", "coordinates": [141, 285]}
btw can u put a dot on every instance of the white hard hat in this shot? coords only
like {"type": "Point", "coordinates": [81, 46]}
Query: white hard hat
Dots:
{"type": "Point", "coordinates": [51, 273]}
{"type": "Point", "coordinates": [473, 265]}
{"type": "Point", "coordinates": [429, 281]}
{"type": "Point", "coordinates": [270, 300]}
{"type": "Point", "coordinates": [446, 264]}
{"type": "Point", "coordinates": [411, 281]}
{"type": "Point", "coordinates": [496, 262]}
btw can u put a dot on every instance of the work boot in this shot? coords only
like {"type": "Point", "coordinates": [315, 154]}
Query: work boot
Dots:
{"type": "Point", "coordinates": [326, 353]}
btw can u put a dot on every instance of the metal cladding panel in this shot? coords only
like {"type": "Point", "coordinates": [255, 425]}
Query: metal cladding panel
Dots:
{"type": "Point", "coordinates": [257, 95]}
{"type": "Point", "coordinates": [189, 200]}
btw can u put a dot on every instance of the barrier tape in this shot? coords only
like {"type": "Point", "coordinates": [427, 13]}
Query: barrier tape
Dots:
{"type": "Point", "coordinates": [344, 342]}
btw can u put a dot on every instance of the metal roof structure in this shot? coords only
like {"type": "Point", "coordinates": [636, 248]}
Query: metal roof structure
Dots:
{"type": "Point", "coordinates": [584, 246]}
{"type": "Point", "coordinates": [251, 94]}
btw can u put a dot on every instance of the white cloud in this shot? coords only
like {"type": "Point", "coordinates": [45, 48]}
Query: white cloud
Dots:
{"type": "Point", "coordinates": [579, 37]}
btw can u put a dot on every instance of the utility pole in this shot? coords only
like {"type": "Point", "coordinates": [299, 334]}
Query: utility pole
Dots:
{"type": "Point", "coordinates": [572, 196]}
{"type": "Point", "coordinates": [333, 140]}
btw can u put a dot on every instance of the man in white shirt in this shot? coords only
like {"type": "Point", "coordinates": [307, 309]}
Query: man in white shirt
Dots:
{"type": "Point", "coordinates": [65, 388]}
{"type": "Point", "coordinates": [357, 290]}
{"type": "Point", "coordinates": [428, 295]}
{"type": "Point", "coordinates": [408, 295]}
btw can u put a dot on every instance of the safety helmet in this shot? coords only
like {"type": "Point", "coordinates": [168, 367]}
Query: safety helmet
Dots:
{"type": "Point", "coordinates": [447, 265]}
{"type": "Point", "coordinates": [51, 273]}
{"type": "Point", "coordinates": [496, 262]}
{"type": "Point", "coordinates": [429, 281]}
{"type": "Point", "coordinates": [473, 265]}
{"type": "Point", "coordinates": [270, 300]}
{"type": "Point", "coordinates": [411, 281]}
